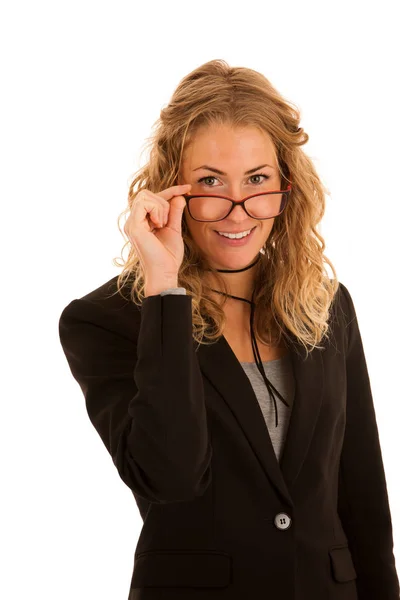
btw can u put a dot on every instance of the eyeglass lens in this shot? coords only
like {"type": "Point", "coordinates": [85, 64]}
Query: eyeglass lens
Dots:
{"type": "Point", "coordinates": [210, 208]}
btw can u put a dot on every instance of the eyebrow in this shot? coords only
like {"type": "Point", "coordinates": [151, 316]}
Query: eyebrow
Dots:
{"type": "Point", "coordinates": [222, 173]}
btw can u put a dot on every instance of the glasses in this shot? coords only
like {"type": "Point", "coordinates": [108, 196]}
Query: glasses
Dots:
{"type": "Point", "coordinates": [264, 205]}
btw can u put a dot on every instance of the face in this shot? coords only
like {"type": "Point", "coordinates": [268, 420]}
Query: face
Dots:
{"type": "Point", "coordinates": [232, 152]}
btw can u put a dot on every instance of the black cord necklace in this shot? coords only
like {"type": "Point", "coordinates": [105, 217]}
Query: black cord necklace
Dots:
{"type": "Point", "coordinates": [260, 366]}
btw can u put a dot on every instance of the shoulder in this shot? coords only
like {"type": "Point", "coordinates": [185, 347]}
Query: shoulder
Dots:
{"type": "Point", "coordinates": [343, 315]}
{"type": "Point", "coordinates": [105, 307]}
{"type": "Point", "coordinates": [344, 302]}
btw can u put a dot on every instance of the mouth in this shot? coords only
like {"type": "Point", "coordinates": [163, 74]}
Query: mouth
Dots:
{"type": "Point", "coordinates": [235, 241]}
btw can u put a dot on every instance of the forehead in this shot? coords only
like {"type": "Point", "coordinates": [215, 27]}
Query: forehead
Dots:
{"type": "Point", "coordinates": [222, 145]}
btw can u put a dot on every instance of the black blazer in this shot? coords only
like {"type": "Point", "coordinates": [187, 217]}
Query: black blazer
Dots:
{"type": "Point", "coordinates": [223, 519]}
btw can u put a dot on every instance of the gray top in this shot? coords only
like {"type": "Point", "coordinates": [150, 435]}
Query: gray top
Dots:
{"type": "Point", "coordinates": [279, 372]}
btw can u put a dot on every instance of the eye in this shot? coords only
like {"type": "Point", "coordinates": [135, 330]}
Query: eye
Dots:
{"type": "Point", "coordinates": [208, 177]}
{"type": "Point", "coordinates": [204, 179]}
{"type": "Point", "coordinates": [260, 175]}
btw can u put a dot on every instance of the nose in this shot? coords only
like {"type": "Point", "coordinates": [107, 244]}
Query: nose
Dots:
{"type": "Point", "coordinates": [239, 213]}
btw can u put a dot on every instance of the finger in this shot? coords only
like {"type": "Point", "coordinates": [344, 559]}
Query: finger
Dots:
{"type": "Point", "coordinates": [176, 208]}
{"type": "Point", "coordinates": [166, 204]}
{"type": "Point", "coordinates": [147, 211]}
{"type": "Point", "coordinates": [175, 190]}
{"type": "Point", "coordinates": [156, 207]}
{"type": "Point", "coordinates": [156, 214]}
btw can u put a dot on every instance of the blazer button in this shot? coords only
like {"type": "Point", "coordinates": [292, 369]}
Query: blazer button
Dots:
{"type": "Point", "coordinates": [282, 521]}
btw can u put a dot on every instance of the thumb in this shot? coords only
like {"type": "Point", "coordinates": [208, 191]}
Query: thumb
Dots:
{"type": "Point", "coordinates": [176, 207]}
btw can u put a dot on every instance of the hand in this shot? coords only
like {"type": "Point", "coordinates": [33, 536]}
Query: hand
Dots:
{"type": "Point", "coordinates": [154, 228]}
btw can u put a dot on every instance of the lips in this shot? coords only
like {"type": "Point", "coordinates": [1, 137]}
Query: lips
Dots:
{"type": "Point", "coordinates": [236, 231]}
{"type": "Point", "coordinates": [226, 241]}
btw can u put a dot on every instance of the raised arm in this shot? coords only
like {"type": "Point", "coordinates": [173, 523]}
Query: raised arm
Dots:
{"type": "Point", "coordinates": [145, 399]}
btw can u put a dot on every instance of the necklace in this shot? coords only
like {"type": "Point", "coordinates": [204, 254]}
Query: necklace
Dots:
{"type": "Point", "coordinates": [270, 387]}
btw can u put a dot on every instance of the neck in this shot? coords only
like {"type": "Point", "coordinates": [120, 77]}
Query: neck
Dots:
{"type": "Point", "coordinates": [239, 282]}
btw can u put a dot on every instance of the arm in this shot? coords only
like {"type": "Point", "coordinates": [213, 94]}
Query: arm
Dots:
{"type": "Point", "coordinates": [145, 401]}
{"type": "Point", "coordinates": [363, 504]}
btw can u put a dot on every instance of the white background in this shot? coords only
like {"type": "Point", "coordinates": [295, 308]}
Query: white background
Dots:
{"type": "Point", "coordinates": [82, 83]}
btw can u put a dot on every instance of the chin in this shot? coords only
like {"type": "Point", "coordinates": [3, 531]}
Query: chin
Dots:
{"type": "Point", "coordinates": [235, 262]}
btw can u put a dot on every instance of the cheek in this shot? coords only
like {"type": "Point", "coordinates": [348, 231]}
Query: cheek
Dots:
{"type": "Point", "coordinates": [268, 225]}
{"type": "Point", "coordinates": [201, 233]}
{"type": "Point", "coordinates": [198, 231]}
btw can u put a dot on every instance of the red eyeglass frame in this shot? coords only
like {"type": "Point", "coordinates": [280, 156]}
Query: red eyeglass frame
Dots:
{"type": "Point", "coordinates": [240, 203]}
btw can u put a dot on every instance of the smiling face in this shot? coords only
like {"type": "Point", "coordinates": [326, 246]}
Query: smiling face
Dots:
{"type": "Point", "coordinates": [232, 152]}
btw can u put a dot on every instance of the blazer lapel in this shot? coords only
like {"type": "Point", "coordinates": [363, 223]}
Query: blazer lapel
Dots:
{"type": "Point", "coordinates": [221, 367]}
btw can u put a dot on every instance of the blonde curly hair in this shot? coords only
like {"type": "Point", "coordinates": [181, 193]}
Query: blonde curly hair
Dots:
{"type": "Point", "coordinates": [293, 292]}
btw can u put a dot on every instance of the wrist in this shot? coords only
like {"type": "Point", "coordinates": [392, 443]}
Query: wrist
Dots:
{"type": "Point", "coordinates": [153, 288]}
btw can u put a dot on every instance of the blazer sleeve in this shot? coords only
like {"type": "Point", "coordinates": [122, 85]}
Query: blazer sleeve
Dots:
{"type": "Point", "coordinates": [363, 504]}
{"type": "Point", "coordinates": [146, 400]}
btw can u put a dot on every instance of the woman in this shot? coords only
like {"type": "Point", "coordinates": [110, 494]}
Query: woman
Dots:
{"type": "Point", "coordinates": [230, 384]}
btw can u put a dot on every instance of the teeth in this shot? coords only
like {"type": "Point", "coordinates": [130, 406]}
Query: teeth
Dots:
{"type": "Point", "coordinates": [235, 236]}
